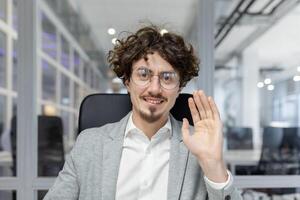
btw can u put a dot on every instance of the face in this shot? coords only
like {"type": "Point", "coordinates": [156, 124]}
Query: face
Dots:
{"type": "Point", "coordinates": [151, 102]}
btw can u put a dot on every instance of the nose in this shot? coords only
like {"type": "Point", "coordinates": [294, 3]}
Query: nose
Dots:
{"type": "Point", "coordinates": [154, 87]}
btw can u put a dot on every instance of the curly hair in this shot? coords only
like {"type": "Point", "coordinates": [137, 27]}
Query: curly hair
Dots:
{"type": "Point", "coordinates": [149, 40]}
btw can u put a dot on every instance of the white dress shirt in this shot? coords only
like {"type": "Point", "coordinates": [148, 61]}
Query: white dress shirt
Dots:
{"type": "Point", "coordinates": [144, 167]}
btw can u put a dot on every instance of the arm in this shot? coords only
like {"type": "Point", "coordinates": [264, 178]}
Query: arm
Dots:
{"type": "Point", "coordinates": [227, 192]}
{"type": "Point", "coordinates": [206, 143]}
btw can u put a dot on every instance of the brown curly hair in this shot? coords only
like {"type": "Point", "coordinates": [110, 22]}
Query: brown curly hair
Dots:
{"type": "Point", "coordinates": [148, 40]}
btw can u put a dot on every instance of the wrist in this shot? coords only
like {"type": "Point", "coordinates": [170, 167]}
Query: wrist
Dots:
{"type": "Point", "coordinates": [215, 171]}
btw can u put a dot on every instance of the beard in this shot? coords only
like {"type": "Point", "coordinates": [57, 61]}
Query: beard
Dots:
{"type": "Point", "coordinates": [150, 116]}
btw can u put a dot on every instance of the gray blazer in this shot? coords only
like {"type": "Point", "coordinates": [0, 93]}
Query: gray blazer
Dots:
{"type": "Point", "coordinates": [91, 170]}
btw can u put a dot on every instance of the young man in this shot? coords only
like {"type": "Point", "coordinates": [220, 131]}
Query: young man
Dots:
{"type": "Point", "coordinates": [148, 154]}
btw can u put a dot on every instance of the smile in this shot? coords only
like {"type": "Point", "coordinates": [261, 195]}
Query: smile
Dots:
{"type": "Point", "coordinates": [153, 100]}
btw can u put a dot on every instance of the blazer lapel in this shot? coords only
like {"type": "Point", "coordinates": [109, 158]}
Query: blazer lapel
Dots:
{"type": "Point", "coordinates": [178, 162]}
{"type": "Point", "coordinates": [112, 152]}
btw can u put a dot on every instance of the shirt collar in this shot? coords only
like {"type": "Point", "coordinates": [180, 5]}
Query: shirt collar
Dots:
{"type": "Point", "coordinates": [132, 127]}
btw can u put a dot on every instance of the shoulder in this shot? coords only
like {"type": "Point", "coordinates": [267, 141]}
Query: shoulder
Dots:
{"type": "Point", "coordinates": [90, 142]}
{"type": "Point", "coordinates": [93, 135]}
{"type": "Point", "coordinates": [96, 137]}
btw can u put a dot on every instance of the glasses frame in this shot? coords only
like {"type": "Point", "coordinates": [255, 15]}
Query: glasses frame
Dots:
{"type": "Point", "coordinates": [150, 79]}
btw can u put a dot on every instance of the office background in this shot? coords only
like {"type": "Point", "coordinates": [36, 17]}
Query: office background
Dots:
{"type": "Point", "coordinates": [52, 54]}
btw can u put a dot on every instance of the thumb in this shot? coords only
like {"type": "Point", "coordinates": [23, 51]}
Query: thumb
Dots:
{"type": "Point", "coordinates": [185, 131]}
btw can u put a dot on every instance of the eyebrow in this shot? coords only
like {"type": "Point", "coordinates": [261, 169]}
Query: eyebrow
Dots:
{"type": "Point", "coordinates": [165, 71]}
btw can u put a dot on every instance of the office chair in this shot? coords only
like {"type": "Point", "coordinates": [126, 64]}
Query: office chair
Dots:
{"type": "Point", "coordinates": [280, 152]}
{"type": "Point", "coordinates": [99, 109]}
{"type": "Point", "coordinates": [290, 150]}
{"type": "Point", "coordinates": [269, 157]}
{"type": "Point", "coordinates": [50, 145]}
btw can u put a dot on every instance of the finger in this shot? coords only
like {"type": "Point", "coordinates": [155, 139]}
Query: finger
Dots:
{"type": "Point", "coordinates": [214, 108]}
{"type": "Point", "coordinates": [206, 106]}
{"type": "Point", "coordinates": [185, 131]}
{"type": "Point", "coordinates": [199, 105]}
{"type": "Point", "coordinates": [195, 114]}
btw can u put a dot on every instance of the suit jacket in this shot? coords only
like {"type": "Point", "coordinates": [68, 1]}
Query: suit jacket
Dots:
{"type": "Point", "coordinates": [91, 170]}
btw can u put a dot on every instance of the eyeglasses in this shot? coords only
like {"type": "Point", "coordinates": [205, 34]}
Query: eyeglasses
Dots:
{"type": "Point", "coordinates": [142, 77]}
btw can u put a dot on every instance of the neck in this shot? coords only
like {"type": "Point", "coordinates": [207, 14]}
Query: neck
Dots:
{"type": "Point", "coordinates": [148, 128]}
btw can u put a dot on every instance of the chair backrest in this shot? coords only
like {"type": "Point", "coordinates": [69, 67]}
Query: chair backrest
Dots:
{"type": "Point", "coordinates": [280, 151]}
{"type": "Point", "coordinates": [99, 109]}
{"type": "Point", "coordinates": [50, 145]}
{"type": "Point", "coordinates": [291, 138]}
{"type": "Point", "coordinates": [272, 138]}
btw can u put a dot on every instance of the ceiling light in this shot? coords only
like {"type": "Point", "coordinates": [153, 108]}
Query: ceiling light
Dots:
{"type": "Point", "coordinates": [111, 31]}
{"type": "Point", "coordinates": [49, 110]}
{"type": "Point", "coordinates": [114, 40]}
{"type": "Point", "coordinates": [260, 84]}
{"type": "Point", "coordinates": [267, 81]}
{"type": "Point", "coordinates": [163, 31]}
{"type": "Point", "coordinates": [296, 78]}
{"type": "Point", "coordinates": [270, 87]}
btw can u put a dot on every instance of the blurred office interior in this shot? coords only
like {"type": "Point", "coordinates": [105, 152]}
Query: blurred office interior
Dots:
{"type": "Point", "coordinates": [53, 54]}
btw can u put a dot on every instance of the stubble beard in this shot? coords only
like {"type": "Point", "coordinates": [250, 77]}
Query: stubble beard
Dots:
{"type": "Point", "coordinates": [151, 116]}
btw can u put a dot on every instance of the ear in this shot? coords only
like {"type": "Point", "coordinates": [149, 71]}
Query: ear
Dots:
{"type": "Point", "coordinates": [179, 90]}
{"type": "Point", "coordinates": [127, 85]}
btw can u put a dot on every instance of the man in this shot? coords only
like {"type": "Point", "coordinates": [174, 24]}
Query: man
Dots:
{"type": "Point", "coordinates": [148, 154]}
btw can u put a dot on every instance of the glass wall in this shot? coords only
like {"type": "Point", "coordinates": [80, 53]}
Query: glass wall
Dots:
{"type": "Point", "coordinates": [8, 94]}
{"type": "Point", "coordinates": [49, 37]}
{"type": "Point", "coordinates": [48, 81]}
{"type": "Point", "coordinates": [257, 87]}
{"type": "Point", "coordinates": [257, 92]}
{"type": "Point", "coordinates": [3, 6]}
{"type": "Point", "coordinates": [3, 47]}
{"type": "Point", "coordinates": [61, 86]}
{"type": "Point", "coordinates": [66, 71]}
{"type": "Point", "coordinates": [7, 194]}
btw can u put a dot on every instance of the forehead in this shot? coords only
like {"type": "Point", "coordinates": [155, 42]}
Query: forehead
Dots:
{"type": "Point", "coordinates": [154, 62]}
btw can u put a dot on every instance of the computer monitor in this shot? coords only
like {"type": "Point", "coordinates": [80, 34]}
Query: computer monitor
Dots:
{"type": "Point", "coordinates": [239, 138]}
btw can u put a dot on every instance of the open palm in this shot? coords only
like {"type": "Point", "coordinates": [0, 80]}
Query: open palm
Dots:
{"type": "Point", "coordinates": [206, 141]}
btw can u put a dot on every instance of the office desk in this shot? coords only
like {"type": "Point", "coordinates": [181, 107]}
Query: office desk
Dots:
{"type": "Point", "coordinates": [241, 157]}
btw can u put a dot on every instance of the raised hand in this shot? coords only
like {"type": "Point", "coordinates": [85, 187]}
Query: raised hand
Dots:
{"type": "Point", "coordinates": [206, 143]}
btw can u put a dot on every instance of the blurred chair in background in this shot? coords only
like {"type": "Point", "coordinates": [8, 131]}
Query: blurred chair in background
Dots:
{"type": "Point", "coordinates": [239, 138]}
{"type": "Point", "coordinates": [280, 155]}
{"type": "Point", "coordinates": [50, 145]}
{"type": "Point", "coordinates": [290, 150]}
{"type": "Point", "coordinates": [270, 160]}
{"type": "Point", "coordinates": [270, 154]}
